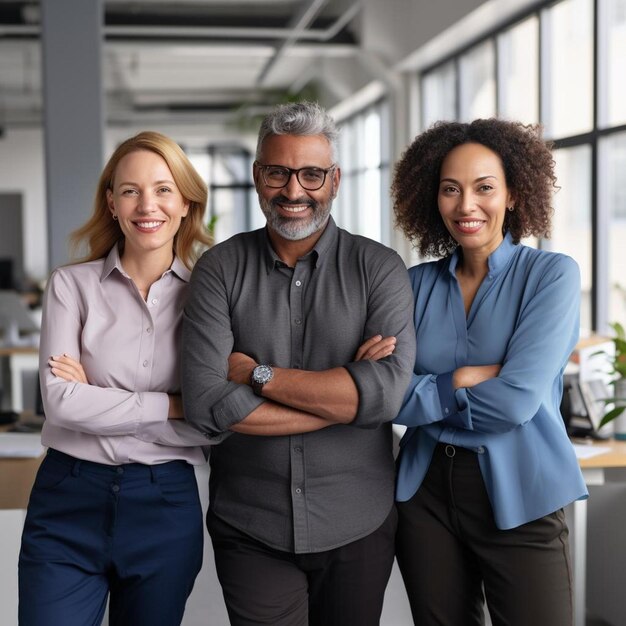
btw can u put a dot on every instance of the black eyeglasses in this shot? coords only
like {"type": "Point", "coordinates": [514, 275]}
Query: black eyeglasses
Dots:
{"type": "Point", "coordinates": [278, 176]}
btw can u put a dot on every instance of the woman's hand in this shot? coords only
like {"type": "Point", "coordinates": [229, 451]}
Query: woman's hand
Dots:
{"type": "Point", "coordinates": [240, 368]}
{"type": "Point", "coordinates": [68, 369]}
{"type": "Point", "coordinates": [375, 348]}
{"type": "Point", "coordinates": [471, 375]}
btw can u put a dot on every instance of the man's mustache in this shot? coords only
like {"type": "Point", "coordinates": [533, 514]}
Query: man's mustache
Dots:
{"type": "Point", "coordinates": [299, 201]}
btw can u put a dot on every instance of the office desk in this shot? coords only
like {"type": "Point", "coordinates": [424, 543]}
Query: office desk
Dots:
{"type": "Point", "coordinates": [21, 359]}
{"type": "Point", "coordinates": [597, 470]}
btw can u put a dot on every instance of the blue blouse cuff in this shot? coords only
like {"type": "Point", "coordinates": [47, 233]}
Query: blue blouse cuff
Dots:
{"type": "Point", "coordinates": [447, 398]}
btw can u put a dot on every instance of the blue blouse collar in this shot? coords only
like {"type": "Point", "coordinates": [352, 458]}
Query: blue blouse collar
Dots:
{"type": "Point", "coordinates": [497, 260]}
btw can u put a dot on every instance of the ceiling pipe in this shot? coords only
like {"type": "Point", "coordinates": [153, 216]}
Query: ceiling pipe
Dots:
{"type": "Point", "coordinates": [208, 32]}
{"type": "Point", "coordinates": [298, 23]}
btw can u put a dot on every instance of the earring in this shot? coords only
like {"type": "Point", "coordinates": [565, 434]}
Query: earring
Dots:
{"type": "Point", "coordinates": [115, 217]}
{"type": "Point", "coordinates": [511, 208]}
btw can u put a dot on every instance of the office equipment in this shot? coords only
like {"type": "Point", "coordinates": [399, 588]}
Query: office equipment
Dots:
{"type": "Point", "coordinates": [7, 277]}
{"type": "Point", "coordinates": [15, 319]}
{"type": "Point", "coordinates": [582, 405]}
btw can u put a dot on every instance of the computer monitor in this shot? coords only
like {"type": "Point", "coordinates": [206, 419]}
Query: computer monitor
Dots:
{"type": "Point", "coordinates": [7, 279]}
{"type": "Point", "coordinates": [14, 314]}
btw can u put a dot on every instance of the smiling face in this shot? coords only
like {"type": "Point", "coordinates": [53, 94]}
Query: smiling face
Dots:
{"type": "Point", "coordinates": [473, 197]}
{"type": "Point", "coordinates": [293, 213]}
{"type": "Point", "coordinates": [147, 203]}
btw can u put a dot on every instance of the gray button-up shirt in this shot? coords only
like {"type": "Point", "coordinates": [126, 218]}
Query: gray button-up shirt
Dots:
{"type": "Point", "coordinates": [315, 491]}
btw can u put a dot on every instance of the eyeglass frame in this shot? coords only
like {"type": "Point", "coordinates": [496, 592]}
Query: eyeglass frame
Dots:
{"type": "Point", "coordinates": [292, 171]}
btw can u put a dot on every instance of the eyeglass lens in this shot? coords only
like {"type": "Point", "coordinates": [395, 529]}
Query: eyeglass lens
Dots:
{"type": "Point", "coordinates": [310, 178]}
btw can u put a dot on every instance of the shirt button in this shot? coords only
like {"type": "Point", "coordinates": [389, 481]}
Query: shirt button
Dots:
{"type": "Point", "coordinates": [149, 329]}
{"type": "Point", "coordinates": [145, 363]}
{"type": "Point", "coordinates": [298, 283]}
{"type": "Point", "coordinates": [446, 411]}
{"type": "Point", "coordinates": [298, 490]}
{"type": "Point", "coordinates": [297, 321]}
{"type": "Point", "coordinates": [115, 488]}
{"type": "Point", "coordinates": [154, 300]}
{"type": "Point", "coordinates": [298, 449]}
{"type": "Point", "coordinates": [480, 450]}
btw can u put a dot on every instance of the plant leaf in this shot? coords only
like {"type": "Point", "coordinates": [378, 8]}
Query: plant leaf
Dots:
{"type": "Point", "coordinates": [611, 415]}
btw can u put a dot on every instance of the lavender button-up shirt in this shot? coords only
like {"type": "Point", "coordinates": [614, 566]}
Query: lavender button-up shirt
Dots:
{"type": "Point", "coordinates": [129, 349]}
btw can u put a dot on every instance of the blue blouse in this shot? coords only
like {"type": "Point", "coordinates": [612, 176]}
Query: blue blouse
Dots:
{"type": "Point", "coordinates": [525, 316]}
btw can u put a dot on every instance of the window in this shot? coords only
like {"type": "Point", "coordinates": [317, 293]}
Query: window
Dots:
{"type": "Point", "coordinates": [359, 206]}
{"type": "Point", "coordinates": [568, 64]}
{"type": "Point", "coordinates": [571, 224]}
{"type": "Point", "coordinates": [229, 192]}
{"type": "Point", "coordinates": [518, 72]}
{"type": "Point", "coordinates": [612, 62]}
{"type": "Point", "coordinates": [612, 196]}
{"type": "Point", "coordinates": [477, 85]}
{"type": "Point", "coordinates": [438, 95]}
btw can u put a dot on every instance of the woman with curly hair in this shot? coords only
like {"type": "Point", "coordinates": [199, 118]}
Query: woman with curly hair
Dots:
{"type": "Point", "coordinates": [486, 466]}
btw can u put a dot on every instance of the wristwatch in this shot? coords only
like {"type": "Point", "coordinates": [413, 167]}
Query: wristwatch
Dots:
{"type": "Point", "coordinates": [261, 375]}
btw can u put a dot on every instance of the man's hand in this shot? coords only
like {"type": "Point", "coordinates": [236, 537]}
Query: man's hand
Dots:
{"type": "Point", "coordinates": [68, 369]}
{"type": "Point", "coordinates": [375, 348]}
{"type": "Point", "coordinates": [175, 410]}
{"type": "Point", "coordinates": [240, 368]}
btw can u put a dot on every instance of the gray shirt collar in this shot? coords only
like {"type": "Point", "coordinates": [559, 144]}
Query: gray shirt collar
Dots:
{"type": "Point", "coordinates": [317, 255]}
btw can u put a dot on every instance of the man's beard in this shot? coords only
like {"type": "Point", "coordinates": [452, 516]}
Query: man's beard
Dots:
{"type": "Point", "coordinates": [294, 228]}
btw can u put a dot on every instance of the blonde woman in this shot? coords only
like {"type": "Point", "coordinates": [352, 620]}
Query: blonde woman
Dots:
{"type": "Point", "coordinates": [114, 513]}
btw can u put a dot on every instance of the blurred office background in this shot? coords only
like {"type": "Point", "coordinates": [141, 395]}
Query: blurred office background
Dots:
{"type": "Point", "coordinates": [78, 76]}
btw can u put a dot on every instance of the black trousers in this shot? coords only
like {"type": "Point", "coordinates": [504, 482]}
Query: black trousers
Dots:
{"type": "Point", "coordinates": [340, 587]}
{"type": "Point", "coordinates": [449, 549]}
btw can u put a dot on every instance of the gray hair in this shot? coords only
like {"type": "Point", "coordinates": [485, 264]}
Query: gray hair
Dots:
{"type": "Point", "coordinates": [299, 118]}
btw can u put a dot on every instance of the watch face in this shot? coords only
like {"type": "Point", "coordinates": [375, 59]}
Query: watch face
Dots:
{"type": "Point", "coordinates": [262, 374]}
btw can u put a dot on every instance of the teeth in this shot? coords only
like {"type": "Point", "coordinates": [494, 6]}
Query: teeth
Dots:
{"type": "Point", "coordinates": [294, 208]}
{"type": "Point", "coordinates": [148, 224]}
{"type": "Point", "coordinates": [470, 224]}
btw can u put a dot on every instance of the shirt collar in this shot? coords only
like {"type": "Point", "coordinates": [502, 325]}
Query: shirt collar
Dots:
{"type": "Point", "coordinates": [114, 262]}
{"type": "Point", "coordinates": [319, 252]}
{"type": "Point", "coordinates": [496, 261]}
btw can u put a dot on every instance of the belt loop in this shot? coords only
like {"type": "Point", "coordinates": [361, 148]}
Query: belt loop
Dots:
{"type": "Point", "coordinates": [153, 474]}
{"type": "Point", "coordinates": [76, 467]}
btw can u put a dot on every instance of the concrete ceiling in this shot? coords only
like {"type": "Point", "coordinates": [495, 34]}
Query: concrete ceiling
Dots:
{"type": "Point", "coordinates": [188, 59]}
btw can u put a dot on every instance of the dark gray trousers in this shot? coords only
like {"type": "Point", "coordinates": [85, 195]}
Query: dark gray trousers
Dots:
{"type": "Point", "coordinates": [449, 550]}
{"type": "Point", "coordinates": [340, 587]}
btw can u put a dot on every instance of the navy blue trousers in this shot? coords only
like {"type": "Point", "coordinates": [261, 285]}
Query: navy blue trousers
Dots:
{"type": "Point", "coordinates": [131, 533]}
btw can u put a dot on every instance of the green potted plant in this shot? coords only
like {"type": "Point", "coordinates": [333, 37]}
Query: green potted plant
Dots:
{"type": "Point", "coordinates": [617, 371]}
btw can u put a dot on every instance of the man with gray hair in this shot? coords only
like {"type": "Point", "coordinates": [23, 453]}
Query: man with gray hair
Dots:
{"type": "Point", "coordinates": [298, 339]}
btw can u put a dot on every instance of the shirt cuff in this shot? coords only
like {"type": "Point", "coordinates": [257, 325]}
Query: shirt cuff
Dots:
{"type": "Point", "coordinates": [154, 407]}
{"type": "Point", "coordinates": [235, 407]}
{"type": "Point", "coordinates": [450, 409]}
{"type": "Point", "coordinates": [446, 394]}
{"type": "Point", "coordinates": [371, 409]}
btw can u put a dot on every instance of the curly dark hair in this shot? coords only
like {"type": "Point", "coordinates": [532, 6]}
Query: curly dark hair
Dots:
{"type": "Point", "coordinates": [528, 168]}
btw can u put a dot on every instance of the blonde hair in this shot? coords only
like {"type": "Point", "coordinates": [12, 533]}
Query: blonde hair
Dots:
{"type": "Point", "coordinates": [101, 232]}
